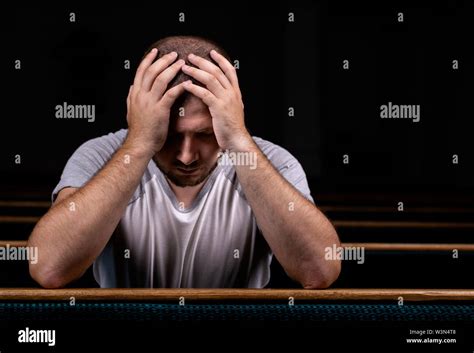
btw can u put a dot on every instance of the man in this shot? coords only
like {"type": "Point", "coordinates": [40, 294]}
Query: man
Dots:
{"type": "Point", "coordinates": [169, 203]}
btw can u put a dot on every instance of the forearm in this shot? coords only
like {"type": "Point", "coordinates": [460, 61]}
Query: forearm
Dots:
{"type": "Point", "coordinates": [75, 230]}
{"type": "Point", "coordinates": [296, 231]}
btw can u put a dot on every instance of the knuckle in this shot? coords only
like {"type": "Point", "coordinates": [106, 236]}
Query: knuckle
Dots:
{"type": "Point", "coordinates": [153, 69]}
{"type": "Point", "coordinates": [170, 94]}
{"type": "Point", "coordinates": [140, 99]}
{"type": "Point", "coordinates": [149, 71]}
{"type": "Point", "coordinates": [229, 98]}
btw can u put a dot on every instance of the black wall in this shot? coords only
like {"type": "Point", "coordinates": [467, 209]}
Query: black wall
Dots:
{"type": "Point", "coordinates": [282, 64]}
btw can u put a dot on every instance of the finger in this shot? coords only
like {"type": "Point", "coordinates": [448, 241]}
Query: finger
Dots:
{"type": "Point", "coordinates": [157, 68]}
{"type": "Point", "coordinates": [129, 94]}
{"type": "Point", "coordinates": [207, 97]}
{"type": "Point", "coordinates": [210, 81]}
{"type": "Point", "coordinates": [143, 66]}
{"type": "Point", "coordinates": [171, 95]}
{"type": "Point", "coordinates": [209, 67]}
{"type": "Point", "coordinates": [227, 67]}
{"type": "Point", "coordinates": [162, 80]}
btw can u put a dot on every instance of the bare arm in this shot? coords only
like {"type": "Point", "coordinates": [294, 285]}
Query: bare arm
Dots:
{"type": "Point", "coordinates": [76, 229]}
{"type": "Point", "coordinates": [296, 231]}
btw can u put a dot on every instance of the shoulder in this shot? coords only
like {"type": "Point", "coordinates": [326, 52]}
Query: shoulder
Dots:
{"type": "Point", "coordinates": [100, 149]}
{"type": "Point", "coordinates": [107, 144]}
{"type": "Point", "coordinates": [277, 155]}
{"type": "Point", "coordinates": [286, 164]}
{"type": "Point", "coordinates": [283, 161]}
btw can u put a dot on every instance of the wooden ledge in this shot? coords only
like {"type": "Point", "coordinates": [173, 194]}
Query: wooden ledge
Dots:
{"type": "Point", "coordinates": [235, 294]}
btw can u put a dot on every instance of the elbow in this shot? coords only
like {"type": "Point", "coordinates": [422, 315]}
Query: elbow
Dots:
{"type": "Point", "coordinates": [45, 269]}
{"type": "Point", "coordinates": [44, 272]}
{"type": "Point", "coordinates": [46, 278]}
{"type": "Point", "coordinates": [322, 278]}
{"type": "Point", "coordinates": [51, 275]}
{"type": "Point", "coordinates": [323, 270]}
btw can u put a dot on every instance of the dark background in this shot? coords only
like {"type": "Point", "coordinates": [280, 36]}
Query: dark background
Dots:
{"type": "Point", "coordinates": [282, 65]}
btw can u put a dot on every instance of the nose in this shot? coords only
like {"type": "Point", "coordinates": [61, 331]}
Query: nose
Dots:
{"type": "Point", "coordinates": [186, 151]}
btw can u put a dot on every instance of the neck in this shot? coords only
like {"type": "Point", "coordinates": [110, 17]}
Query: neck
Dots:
{"type": "Point", "coordinates": [187, 194]}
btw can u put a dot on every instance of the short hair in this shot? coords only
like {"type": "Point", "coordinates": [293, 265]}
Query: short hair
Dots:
{"type": "Point", "coordinates": [183, 46]}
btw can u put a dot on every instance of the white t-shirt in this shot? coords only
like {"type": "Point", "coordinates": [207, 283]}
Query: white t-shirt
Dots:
{"type": "Point", "coordinates": [214, 243]}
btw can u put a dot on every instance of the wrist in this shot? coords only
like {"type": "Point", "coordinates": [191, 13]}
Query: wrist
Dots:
{"type": "Point", "coordinates": [138, 147]}
{"type": "Point", "coordinates": [242, 143]}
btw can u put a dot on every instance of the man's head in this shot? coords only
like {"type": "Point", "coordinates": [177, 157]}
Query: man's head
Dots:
{"type": "Point", "coordinates": [190, 152]}
{"type": "Point", "coordinates": [183, 46]}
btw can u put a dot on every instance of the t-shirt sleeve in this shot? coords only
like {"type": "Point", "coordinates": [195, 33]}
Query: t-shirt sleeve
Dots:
{"type": "Point", "coordinates": [85, 162]}
{"type": "Point", "coordinates": [287, 165]}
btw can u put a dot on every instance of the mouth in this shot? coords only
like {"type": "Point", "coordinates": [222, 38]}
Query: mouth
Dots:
{"type": "Point", "coordinates": [187, 171]}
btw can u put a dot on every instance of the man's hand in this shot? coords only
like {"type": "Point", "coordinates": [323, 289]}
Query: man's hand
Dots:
{"type": "Point", "coordinates": [223, 98]}
{"type": "Point", "coordinates": [148, 106]}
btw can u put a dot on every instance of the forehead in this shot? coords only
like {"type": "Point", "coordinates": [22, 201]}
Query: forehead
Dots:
{"type": "Point", "coordinates": [192, 116]}
{"type": "Point", "coordinates": [195, 105]}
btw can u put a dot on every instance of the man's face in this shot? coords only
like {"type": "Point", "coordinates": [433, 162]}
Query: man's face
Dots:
{"type": "Point", "coordinates": [190, 152]}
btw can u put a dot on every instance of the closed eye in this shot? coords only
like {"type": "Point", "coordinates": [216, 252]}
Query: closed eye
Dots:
{"type": "Point", "coordinates": [205, 133]}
